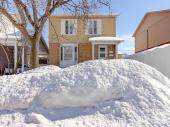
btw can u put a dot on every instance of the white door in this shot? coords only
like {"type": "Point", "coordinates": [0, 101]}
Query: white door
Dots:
{"type": "Point", "coordinates": [68, 55]}
{"type": "Point", "coordinates": [102, 52]}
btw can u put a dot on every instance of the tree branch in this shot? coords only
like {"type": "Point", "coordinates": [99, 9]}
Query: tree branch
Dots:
{"type": "Point", "coordinates": [27, 14]}
{"type": "Point", "coordinates": [19, 8]}
{"type": "Point", "coordinates": [49, 11]}
{"type": "Point", "coordinates": [34, 9]}
{"type": "Point", "coordinates": [4, 12]}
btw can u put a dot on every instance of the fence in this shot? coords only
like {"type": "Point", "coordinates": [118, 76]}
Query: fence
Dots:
{"type": "Point", "coordinates": [158, 58]}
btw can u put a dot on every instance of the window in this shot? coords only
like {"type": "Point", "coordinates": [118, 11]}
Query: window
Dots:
{"type": "Point", "coordinates": [102, 52]}
{"type": "Point", "coordinates": [68, 52]}
{"type": "Point", "coordinates": [42, 60]}
{"type": "Point", "coordinates": [68, 27]}
{"type": "Point", "coordinates": [93, 27]}
{"type": "Point", "coordinates": [61, 53]}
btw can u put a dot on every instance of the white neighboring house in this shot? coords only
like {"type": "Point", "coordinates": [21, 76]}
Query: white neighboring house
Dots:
{"type": "Point", "coordinates": [18, 48]}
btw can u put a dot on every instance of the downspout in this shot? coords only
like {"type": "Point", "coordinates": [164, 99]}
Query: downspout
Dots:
{"type": "Point", "coordinates": [147, 39]}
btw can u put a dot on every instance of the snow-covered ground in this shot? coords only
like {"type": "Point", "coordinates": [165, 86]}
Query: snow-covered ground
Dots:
{"type": "Point", "coordinates": [104, 93]}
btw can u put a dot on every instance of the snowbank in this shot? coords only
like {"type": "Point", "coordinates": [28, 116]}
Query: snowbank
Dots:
{"type": "Point", "coordinates": [157, 57]}
{"type": "Point", "coordinates": [96, 93]}
{"type": "Point", "coordinates": [20, 91]}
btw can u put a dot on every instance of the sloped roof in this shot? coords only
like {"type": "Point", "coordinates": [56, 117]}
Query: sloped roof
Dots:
{"type": "Point", "coordinates": [44, 43]}
{"type": "Point", "coordinates": [146, 15]}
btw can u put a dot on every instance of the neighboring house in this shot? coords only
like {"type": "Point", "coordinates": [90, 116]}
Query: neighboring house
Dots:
{"type": "Point", "coordinates": [154, 30]}
{"type": "Point", "coordinates": [152, 41]}
{"type": "Point", "coordinates": [17, 48]}
{"type": "Point", "coordinates": [73, 40]}
{"type": "Point", "coordinates": [43, 53]}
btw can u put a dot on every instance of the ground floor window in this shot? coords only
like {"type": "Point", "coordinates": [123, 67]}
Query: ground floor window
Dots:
{"type": "Point", "coordinates": [42, 60]}
{"type": "Point", "coordinates": [68, 55]}
{"type": "Point", "coordinates": [102, 51]}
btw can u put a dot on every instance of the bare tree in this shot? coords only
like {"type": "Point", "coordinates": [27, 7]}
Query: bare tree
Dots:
{"type": "Point", "coordinates": [33, 15]}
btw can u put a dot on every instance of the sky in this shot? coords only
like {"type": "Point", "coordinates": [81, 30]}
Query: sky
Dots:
{"type": "Point", "coordinates": [131, 13]}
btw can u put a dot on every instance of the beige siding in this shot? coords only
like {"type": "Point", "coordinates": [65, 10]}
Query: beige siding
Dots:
{"type": "Point", "coordinates": [141, 41]}
{"type": "Point", "coordinates": [157, 25]}
{"type": "Point", "coordinates": [160, 33]}
{"type": "Point", "coordinates": [108, 29]}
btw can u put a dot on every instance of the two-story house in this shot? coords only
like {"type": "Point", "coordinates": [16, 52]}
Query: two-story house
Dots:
{"type": "Point", "coordinates": [73, 40]}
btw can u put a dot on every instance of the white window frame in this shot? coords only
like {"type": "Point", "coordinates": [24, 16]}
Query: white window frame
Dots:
{"type": "Point", "coordinates": [99, 26]}
{"type": "Point", "coordinates": [99, 52]}
{"type": "Point", "coordinates": [73, 58]}
{"type": "Point", "coordinates": [63, 27]}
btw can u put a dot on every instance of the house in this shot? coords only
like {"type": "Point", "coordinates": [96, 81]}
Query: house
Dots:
{"type": "Point", "coordinates": [42, 54]}
{"type": "Point", "coordinates": [14, 50]}
{"type": "Point", "coordinates": [153, 30]}
{"type": "Point", "coordinates": [73, 40]}
{"type": "Point", "coordinates": [152, 41]}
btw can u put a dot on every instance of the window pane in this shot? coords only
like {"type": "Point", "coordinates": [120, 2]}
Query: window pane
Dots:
{"type": "Point", "coordinates": [66, 27]}
{"type": "Point", "coordinates": [95, 27]}
{"type": "Point", "coordinates": [102, 55]}
{"type": "Point", "coordinates": [75, 49]}
{"type": "Point", "coordinates": [71, 27]}
{"type": "Point", "coordinates": [68, 53]}
{"type": "Point", "coordinates": [61, 53]}
{"type": "Point", "coordinates": [42, 60]}
{"type": "Point", "coordinates": [90, 27]}
{"type": "Point", "coordinates": [102, 49]}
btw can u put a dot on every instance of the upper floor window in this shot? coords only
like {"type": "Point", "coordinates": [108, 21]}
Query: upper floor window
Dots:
{"type": "Point", "coordinates": [93, 27]}
{"type": "Point", "coordinates": [69, 27]}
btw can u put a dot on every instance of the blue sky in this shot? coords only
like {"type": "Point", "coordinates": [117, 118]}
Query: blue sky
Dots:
{"type": "Point", "coordinates": [131, 13]}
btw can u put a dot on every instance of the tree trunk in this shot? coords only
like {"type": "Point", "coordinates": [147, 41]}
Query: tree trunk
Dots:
{"type": "Point", "coordinates": [34, 60]}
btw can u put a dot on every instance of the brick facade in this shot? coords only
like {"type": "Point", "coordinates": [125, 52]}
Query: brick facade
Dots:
{"type": "Point", "coordinates": [84, 52]}
{"type": "Point", "coordinates": [54, 53]}
{"type": "Point", "coordinates": [111, 52]}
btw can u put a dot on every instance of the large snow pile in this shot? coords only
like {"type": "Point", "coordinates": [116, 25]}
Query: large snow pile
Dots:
{"type": "Point", "coordinates": [102, 93]}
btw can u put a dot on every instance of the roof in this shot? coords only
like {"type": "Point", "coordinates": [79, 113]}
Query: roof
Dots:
{"type": "Point", "coordinates": [105, 39]}
{"type": "Point", "coordinates": [44, 43]}
{"type": "Point", "coordinates": [146, 15]}
{"type": "Point", "coordinates": [92, 15]}
{"type": "Point", "coordinates": [12, 33]}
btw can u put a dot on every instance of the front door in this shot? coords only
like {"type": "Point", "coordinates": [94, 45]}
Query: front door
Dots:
{"type": "Point", "coordinates": [102, 52]}
{"type": "Point", "coordinates": [68, 55]}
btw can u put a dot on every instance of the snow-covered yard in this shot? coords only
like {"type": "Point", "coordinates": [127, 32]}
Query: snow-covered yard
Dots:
{"type": "Point", "coordinates": [101, 93]}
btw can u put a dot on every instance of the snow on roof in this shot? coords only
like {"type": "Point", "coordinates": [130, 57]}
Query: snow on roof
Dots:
{"type": "Point", "coordinates": [10, 40]}
{"type": "Point", "coordinates": [105, 39]}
